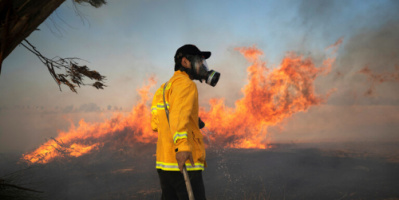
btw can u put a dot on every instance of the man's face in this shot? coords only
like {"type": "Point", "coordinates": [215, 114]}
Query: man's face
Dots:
{"type": "Point", "coordinates": [197, 64]}
{"type": "Point", "coordinates": [193, 61]}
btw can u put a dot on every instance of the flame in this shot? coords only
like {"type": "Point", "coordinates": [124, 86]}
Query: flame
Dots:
{"type": "Point", "coordinates": [81, 149]}
{"type": "Point", "coordinates": [336, 45]}
{"type": "Point", "coordinates": [88, 136]}
{"type": "Point", "coordinates": [270, 96]}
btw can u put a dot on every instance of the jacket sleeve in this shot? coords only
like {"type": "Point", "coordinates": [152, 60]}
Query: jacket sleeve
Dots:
{"type": "Point", "coordinates": [183, 98]}
{"type": "Point", "coordinates": [154, 113]}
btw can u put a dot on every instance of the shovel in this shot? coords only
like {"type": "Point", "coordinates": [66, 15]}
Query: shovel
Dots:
{"type": "Point", "coordinates": [188, 184]}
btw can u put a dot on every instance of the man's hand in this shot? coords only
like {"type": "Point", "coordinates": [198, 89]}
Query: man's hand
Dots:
{"type": "Point", "coordinates": [181, 158]}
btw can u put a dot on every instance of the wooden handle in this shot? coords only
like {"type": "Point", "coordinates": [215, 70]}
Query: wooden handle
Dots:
{"type": "Point", "coordinates": [188, 184]}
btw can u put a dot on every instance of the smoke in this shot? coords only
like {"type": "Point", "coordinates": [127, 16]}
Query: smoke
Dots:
{"type": "Point", "coordinates": [371, 35]}
{"type": "Point", "coordinates": [365, 102]}
{"type": "Point", "coordinates": [231, 64]}
{"type": "Point", "coordinates": [90, 107]}
{"type": "Point", "coordinates": [324, 10]}
{"type": "Point", "coordinates": [368, 65]}
{"type": "Point", "coordinates": [376, 48]}
{"type": "Point", "coordinates": [377, 79]}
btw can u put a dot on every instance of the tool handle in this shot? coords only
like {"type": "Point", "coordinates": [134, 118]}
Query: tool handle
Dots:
{"type": "Point", "coordinates": [188, 184]}
{"type": "Point", "coordinates": [185, 174]}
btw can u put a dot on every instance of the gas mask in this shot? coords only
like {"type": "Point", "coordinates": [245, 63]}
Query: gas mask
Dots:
{"type": "Point", "coordinates": [200, 71]}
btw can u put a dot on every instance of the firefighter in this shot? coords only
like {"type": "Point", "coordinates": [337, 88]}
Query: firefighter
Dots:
{"type": "Point", "coordinates": [174, 116]}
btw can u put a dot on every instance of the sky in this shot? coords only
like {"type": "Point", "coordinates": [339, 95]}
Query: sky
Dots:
{"type": "Point", "coordinates": [131, 41]}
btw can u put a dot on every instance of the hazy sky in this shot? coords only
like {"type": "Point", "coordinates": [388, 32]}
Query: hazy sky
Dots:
{"type": "Point", "coordinates": [129, 41]}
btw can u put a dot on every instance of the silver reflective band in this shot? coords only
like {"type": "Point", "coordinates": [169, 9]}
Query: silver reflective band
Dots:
{"type": "Point", "coordinates": [175, 167]}
{"type": "Point", "coordinates": [179, 136]}
{"type": "Point", "coordinates": [162, 106]}
{"type": "Point", "coordinates": [167, 166]}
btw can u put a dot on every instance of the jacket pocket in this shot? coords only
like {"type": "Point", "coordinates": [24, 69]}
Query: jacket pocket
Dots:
{"type": "Point", "coordinates": [199, 149]}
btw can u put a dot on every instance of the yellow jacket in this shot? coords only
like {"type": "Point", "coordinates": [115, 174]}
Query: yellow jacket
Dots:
{"type": "Point", "coordinates": [183, 133]}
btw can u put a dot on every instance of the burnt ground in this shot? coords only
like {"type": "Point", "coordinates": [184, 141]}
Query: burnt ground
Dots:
{"type": "Point", "coordinates": [283, 172]}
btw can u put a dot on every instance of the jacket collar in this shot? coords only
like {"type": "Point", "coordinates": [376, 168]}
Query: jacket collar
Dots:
{"type": "Point", "coordinates": [178, 72]}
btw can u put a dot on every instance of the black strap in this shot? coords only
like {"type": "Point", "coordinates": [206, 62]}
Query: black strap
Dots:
{"type": "Point", "coordinates": [166, 107]}
{"type": "Point", "coordinates": [164, 102]}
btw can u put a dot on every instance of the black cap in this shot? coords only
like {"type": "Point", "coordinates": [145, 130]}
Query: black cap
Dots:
{"type": "Point", "coordinates": [190, 49]}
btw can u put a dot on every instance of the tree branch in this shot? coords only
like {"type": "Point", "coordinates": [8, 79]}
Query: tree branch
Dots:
{"type": "Point", "coordinates": [74, 73]}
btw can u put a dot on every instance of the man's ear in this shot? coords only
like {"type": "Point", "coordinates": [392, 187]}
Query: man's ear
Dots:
{"type": "Point", "coordinates": [185, 62]}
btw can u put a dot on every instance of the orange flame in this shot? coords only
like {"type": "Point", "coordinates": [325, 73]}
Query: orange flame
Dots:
{"type": "Point", "coordinates": [269, 97]}
{"type": "Point", "coordinates": [87, 136]}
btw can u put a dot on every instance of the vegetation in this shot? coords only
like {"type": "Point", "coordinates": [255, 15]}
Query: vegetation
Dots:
{"type": "Point", "coordinates": [19, 18]}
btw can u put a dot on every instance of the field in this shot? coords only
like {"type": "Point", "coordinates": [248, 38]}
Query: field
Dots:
{"type": "Point", "coordinates": [286, 171]}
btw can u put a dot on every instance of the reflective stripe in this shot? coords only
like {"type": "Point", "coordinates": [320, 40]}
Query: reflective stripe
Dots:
{"type": "Point", "coordinates": [154, 110]}
{"type": "Point", "coordinates": [175, 167]}
{"type": "Point", "coordinates": [168, 86]}
{"type": "Point", "coordinates": [179, 135]}
{"type": "Point", "coordinates": [161, 106]}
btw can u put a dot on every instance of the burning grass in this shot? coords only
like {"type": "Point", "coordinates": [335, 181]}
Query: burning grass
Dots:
{"type": "Point", "coordinates": [269, 97]}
